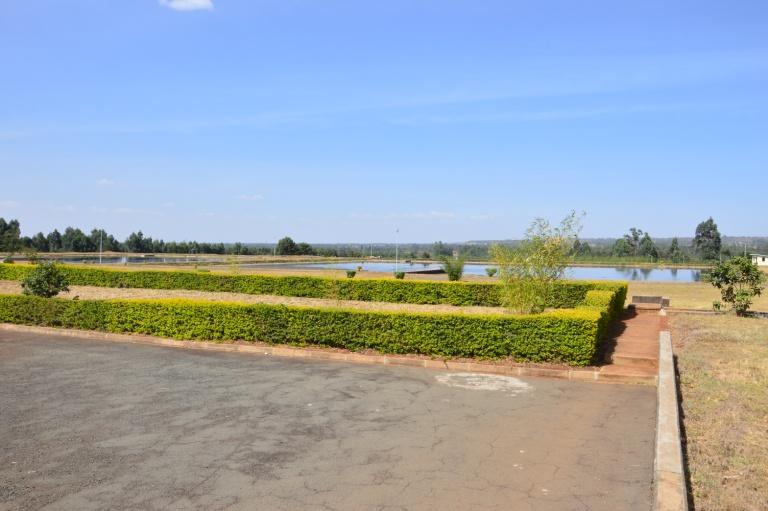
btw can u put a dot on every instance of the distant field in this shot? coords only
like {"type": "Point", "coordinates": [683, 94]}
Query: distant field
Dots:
{"type": "Point", "coordinates": [694, 295]}
{"type": "Point", "coordinates": [723, 365]}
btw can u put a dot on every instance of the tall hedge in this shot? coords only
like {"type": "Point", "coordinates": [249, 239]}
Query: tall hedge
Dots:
{"type": "Point", "coordinates": [566, 293]}
{"type": "Point", "coordinates": [569, 336]}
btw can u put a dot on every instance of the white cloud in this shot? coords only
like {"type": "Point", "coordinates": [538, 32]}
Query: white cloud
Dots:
{"type": "Point", "coordinates": [251, 198]}
{"type": "Point", "coordinates": [8, 204]}
{"type": "Point", "coordinates": [105, 182]}
{"type": "Point", "coordinates": [420, 215]}
{"type": "Point", "coordinates": [188, 5]}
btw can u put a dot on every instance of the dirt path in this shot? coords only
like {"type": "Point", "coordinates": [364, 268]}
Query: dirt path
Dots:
{"type": "Point", "coordinates": [103, 293]}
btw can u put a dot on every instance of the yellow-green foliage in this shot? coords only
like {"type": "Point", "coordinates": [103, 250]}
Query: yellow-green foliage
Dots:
{"type": "Point", "coordinates": [571, 336]}
{"type": "Point", "coordinates": [564, 293]}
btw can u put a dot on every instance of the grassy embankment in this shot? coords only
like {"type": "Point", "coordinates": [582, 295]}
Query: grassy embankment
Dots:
{"type": "Point", "coordinates": [723, 365]}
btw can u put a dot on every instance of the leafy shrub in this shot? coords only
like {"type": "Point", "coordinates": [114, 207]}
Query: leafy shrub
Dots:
{"type": "Point", "coordinates": [400, 275]}
{"type": "Point", "coordinates": [562, 295]}
{"type": "Point", "coordinates": [454, 267]}
{"type": "Point", "coordinates": [739, 281]}
{"type": "Point", "coordinates": [529, 271]}
{"type": "Point", "coordinates": [569, 336]}
{"type": "Point", "coordinates": [491, 271]}
{"type": "Point", "coordinates": [351, 274]}
{"type": "Point", "coordinates": [45, 280]}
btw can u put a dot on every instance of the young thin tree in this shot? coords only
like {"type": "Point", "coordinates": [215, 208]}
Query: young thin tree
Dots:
{"type": "Point", "coordinates": [528, 271]}
{"type": "Point", "coordinates": [454, 267]}
{"type": "Point", "coordinates": [739, 281]}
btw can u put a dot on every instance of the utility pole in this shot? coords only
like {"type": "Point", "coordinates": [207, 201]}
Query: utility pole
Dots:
{"type": "Point", "coordinates": [397, 247]}
{"type": "Point", "coordinates": [101, 243]}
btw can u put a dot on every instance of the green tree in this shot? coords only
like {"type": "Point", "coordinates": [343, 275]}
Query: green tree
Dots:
{"type": "Point", "coordinates": [581, 248]}
{"type": "Point", "coordinates": [707, 242]}
{"type": "Point", "coordinates": [621, 248]}
{"type": "Point", "coordinates": [40, 242]}
{"type": "Point", "coordinates": [45, 280]}
{"type": "Point", "coordinates": [137, 242]}
{"type": "Point", "coordinates": [648, 248]}
{"type": "Point", "coordinates": [739, 281]}
{"type": "Point", "coordinates": [528, 271]}
{"type": "Point", "coordinates": [676, 255]}
{"type": "Point", "coordinates": [75, 240]}
{"type": "Point", "coordinates": [286, 246]}
{"type": "Point", "coordinates": [54, 241]}
{"type": "Point", "coordinates": [10, 236]}
{"type": "Point", "coordinates": [304, 249]}
{"type": "Point", "coordinates": [454, 267]}
{"type": "Point", "coordinates": [633, 240]}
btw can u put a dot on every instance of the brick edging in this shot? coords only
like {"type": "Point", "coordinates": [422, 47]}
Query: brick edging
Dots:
{"type": "Point", "coordinates": [670, 493]}
{"type": "Point", "coordinates": [581, 374]}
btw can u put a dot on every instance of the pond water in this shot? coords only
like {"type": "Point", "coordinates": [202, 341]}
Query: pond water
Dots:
{"type": "Point", "coordinates": [573, 272]}
{"type": "Point", "coordinates": [136, 259]}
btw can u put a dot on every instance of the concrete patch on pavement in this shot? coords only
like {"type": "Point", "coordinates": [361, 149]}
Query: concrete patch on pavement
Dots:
{"type": "Point", "coordinates": [475, 381]}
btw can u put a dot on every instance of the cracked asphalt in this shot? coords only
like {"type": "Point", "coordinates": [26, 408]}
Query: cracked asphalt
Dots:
{"type": "Point", "coordinates": [90, 424]}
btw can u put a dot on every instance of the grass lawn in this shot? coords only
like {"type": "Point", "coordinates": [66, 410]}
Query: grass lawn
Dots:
{"type": "Point", "coordinates": [723, 365]}
{"type": "Point", "coordinates": [693, 295]}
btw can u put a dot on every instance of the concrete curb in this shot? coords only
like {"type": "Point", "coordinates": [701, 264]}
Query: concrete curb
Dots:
{"type": "Point", "coordinates": [669, 474]}
{"type": "Point", "coordinates": [592, 374]}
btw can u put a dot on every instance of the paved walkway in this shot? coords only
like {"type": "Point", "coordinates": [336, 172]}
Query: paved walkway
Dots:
{"type": "Point", "coordinates": [634, 348]}
{"type": "Point", "coordinates": [90, 424]}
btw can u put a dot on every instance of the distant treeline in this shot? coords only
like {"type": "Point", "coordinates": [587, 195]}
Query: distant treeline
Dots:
{"type": "Point", "coordinates": [635, 246]}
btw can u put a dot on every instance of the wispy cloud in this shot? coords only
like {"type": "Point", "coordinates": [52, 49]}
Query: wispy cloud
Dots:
{"type": "Point", "coordinates": [8, 204]}
{"type": "Point", "coordinates": [105, 182]}
{"type": "Point", "coordinates": [251, 198]}
{"type": "Point", "coordinates": [419, 215]}
{"type": "Point", "coordinates": [541, 115]}
{"type": "Point", "coordinates": [188, 5]}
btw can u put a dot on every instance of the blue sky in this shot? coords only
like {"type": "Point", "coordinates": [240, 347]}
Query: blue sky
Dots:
{"type": "Point", "coordinates": [336, 121]}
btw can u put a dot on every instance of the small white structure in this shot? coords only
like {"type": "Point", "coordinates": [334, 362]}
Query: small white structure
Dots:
{"type": "Point", "coordinates": [759, 259]}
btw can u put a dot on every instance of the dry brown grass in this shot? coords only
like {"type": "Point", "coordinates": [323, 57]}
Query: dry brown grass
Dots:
{"type": "Point", "coordinates": [723, 364]}
{"type": "Point", "coordinates": [693, 295]}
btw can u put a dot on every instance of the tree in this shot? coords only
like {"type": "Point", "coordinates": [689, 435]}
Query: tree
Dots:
{"type": "Point", "coordinates": [441, 249]}
{"type": "Point", "coordinates": [286, 246]}
{"type": "Point", "coordinates": [621, 248]}
{"type": "Point", "coordinates": [648, 248]}
{"type": "Point", "coordinates": [54, 241]}
{"type": "Point", "coordinates": [40, 242]}
{"type": "Point", "coordinates": [10, 236]}
{"type": "Point", "coordinates": [739, 281]}
{"type": "Point", "coordinates": [454, 267]}
{"type": "Point", "coordinates": [528, 271]}
{"type": "Point", "coordinates": [581, 248]}
{"type": "Point", "coordinates": [75, 240]}
{"type": "Point", "coordinates": [136, 242]}
{"type": "Point", "coordinates": [675, 254]}
{"type": "Point", "coordinates": [707, 242]}
{"type": "Point", "coordinates": [304, 249]}
{"type": "Point", "coordinates": [45, 280]}
{"type": "Point", "coordinates": [633, 240]}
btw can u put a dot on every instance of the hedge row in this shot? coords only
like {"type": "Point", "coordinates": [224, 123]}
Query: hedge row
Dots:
{"type": "Point", "coordinates": [570, 336]}
{"type": "Point", "coordinates": [566, 293]}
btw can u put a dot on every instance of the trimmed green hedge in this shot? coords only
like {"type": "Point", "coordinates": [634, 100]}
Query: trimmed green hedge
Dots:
{"type": "Point", "coordinates": [566, 294]}
{"type": "Point", "coordinates": [569, 336]}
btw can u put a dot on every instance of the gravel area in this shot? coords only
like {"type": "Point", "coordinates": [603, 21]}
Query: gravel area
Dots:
{"type": "Point", "coordinates": [103, 293]}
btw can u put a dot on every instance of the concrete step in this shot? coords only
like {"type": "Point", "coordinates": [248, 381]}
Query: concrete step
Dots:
{"type": "Point", "coordinates": [627, 374]}
{"type": "Point", "coordinates": [633, 360]}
